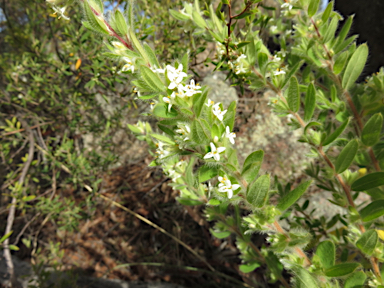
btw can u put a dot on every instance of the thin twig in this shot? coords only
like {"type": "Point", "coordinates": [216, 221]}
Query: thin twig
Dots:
{"type": "Point", "coordinates": [12, 210]}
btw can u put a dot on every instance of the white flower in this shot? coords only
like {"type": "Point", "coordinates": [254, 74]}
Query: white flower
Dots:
{"type": "Point", "coordinates": [276, 58]}
{"type": "Point", "coordinates": [175, 76]}
{"type": "Point", "coordinates": [273, 28]}
{"type": "Point", "coordinates": [286, 5]}
{"type": "Point", "coordinates": [230, 135]}
{"type": "Point", "coordinates": [279, 72]}
{"type": "Point", "coordinates": [215, 152]}
{"type": "Point", "coordinates": [183, 130]}
{"type": "Point", "coordinates": [216, 139]}
{"type": "Point", "coordinates": [169, 99]}
{"type": "Point", "coordinates": [225, 185]}
{"type": "Point", "coordinates": [239, 69]}
{"type": "Point", "coordinates": [160, 150]}
{"type": "Point", "coordinates": [152, 105]}
{"type": "Point", "coordinates": [128, 66]}
{"type": "Point", "coordinates": [157, 70]}
{"type": "Point", "coordinates": [242, 56]}
{"type": "Point", "coordinates": [210, 103]}
{"type": "Point", "coordinates": [216, 109]}
{"type": "Point", "coordinates": [173, 174]}
{"type": "Point", "coordinates": [191, 89]}
{"type": "Point", "coordinates": [60, 12]}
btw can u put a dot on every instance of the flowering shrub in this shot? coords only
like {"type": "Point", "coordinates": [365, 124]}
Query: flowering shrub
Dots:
{"type": "Point", "coordinates": [313, 77]}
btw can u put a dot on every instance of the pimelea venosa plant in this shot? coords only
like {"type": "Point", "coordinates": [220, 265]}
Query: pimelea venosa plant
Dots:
{"type": "Point", "coordinates": [313, 76]}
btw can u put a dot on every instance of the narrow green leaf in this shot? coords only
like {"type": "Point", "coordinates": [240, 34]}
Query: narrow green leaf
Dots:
{"type": "Point", "coordinates": [293, 95]}
{"type": "Point", "coordinates": [327, 253]}
{"type": "Point", "coordinates": [130, 16]}
{"type": "Point", "coordinates": [5, 236]}
{"type": "Point", "coordinates": [303, 279]}
{"type": "Point", "coordinates": [340, 62]}
{"type": "Point", "coordinates": [340, 47]}
{"type": "Point", "coordinates": [310, 102]}
{"type": "Point", "coordinates": [355, 66]}
{"type": "Point", "coordinates": [252, 165]}
{"type": "Point", "coordinates": [198, 133]}
{"type": "Point", "coordinates": [330, 33]}
{"type": "Point", "coordinates": [344, 31]}
{"type": "Point", "coordinates": [373, 210]}
{"type": "Point", "coordinates": [291, 72]}
{"type": "Point", "coordinates": [341, 269]}
{"type": "Point", "coordinates": [206, 173]}
{"type": "Point", "coordinates": [185, 61]}
{"type": "Point", "coordinates": [138, 46]}
{"type": "Point", "coordinates": [367, 242]}
{"type": "Point", "coordinates": [122, 26]}
{"type": "Point", "coordinates": [248, 268]}
{"type": "Point", "coordinates": [151, 55]}
{"type": "Point", "coordinates": [313, 7]}
{"type": "Point", "coordinates": [163, 138]}
{"type": "Point", "coordinates": [198, 19]}
{"type": "Point", "coordinates": [328, 140]}
{"type": "Point", "coordinates": [220, 235]}
{"type": "Point", "coordinates": [327, 12]}
{"type": "Point", "coordinates": [257, 192]}
{"type": "Point", "coordinates": [372, 130]}
{"type": "Point", "coordinates": [14, 247]}
{"type": "Point", "coordinates": [188, 202]}
{"type": "Point", "coordinates": [178, 16]}
{"type": "Point", "coordinates": [291, 197]}
{"type": "Point", "coordinates": [198, 102]}
{"type": "Point", "coordinates": [262, 60]}
{"type": "Point", "coordinates": [356, 280]}
{"type": "Point", "coordinates": [251, 53]}
{"type": "Point", "coordinates": [152, 79]}
{"type": "Point", "coordinates": [369, 181]}
{"type": "Point", "coordinates": [189, 176]}
{"type": "Point", "coordinates": [346, 156]}
{"type": "Point", "coordinates": [95, 23]}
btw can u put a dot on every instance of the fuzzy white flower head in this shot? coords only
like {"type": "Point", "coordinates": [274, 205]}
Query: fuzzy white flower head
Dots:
{"type": "Point", "coordinates": [230, 135]}
{"type": "Point", "coordinates": [160, 150]}
{"type": "Point", "coordinates": [175, 76]}
{"type": "Point", "coordinates": [128, 66]}
{"type": "Point", "coordinates": [183, 130]}
{"type": "Point", "coordinates": [216, 110]}
{"type": "Point", "coordinates": [215, 152]}
{"type": "Point", "coordinates": [191, 89]}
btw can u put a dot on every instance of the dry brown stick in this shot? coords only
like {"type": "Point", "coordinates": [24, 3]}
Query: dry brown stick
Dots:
{"type": "Point", "coordinates": [12, 210]}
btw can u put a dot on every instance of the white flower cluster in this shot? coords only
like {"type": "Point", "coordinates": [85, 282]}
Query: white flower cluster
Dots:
{"type": "Point", "coordinates": [221, 50]}
{"type": "Point", "coordinates": [238, 65]}
{"type": "Point", "coordinates": [216, 109]}
{"type": "Point", "coordinates": [225, 185]}
{"type": "Point", "coordinates": [58, 11]}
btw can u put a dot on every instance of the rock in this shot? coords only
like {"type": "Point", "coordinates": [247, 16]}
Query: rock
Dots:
{"type": "Point", "coordinates": [220, 91]}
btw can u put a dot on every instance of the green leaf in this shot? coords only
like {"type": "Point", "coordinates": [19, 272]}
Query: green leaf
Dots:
{"type": "Point", "coordinates": [198, 19]}
{"type": "Point", "coordinates": [138, 46]}
{"type": "Point", "coordinates": [257, 192]}
{"type": "Point", "coordinates": [291, 197]}
{"type": "Point", "coordinates": [369, 181]}
{"type": "Point", "coordinates": [122, 26]}
{"type": "Point", "coordinates": [248, 268]}
{"type": "Point", "coordinates": [310, 102]}
{"type": "Point", "coordinates": [163, 138]}
{"type": "Point", "coordinates": [206, 172]}
{"type": "Point", "coordinates": [341, 269]}
{"type": "Point", "coordinates": [372, 211]}
{"type": "Point", "coordinates": [327, 12]}
{"type": "Point", "coordinates": [293, 95]}
{"type": "Point", "coordinates": [303, 279]}
{"type": "Point", "coordinates": [93, 22]}
{"type": "Point", "coordinates": [220, 235]}
{"type": "Point", "coordinates": [198, 102]}
{"type": "Point", "coordinates": [5, 236]}
{"type": "Point", "coordinates": [189, 176]}
{"type": "Point", "coordinates": [152, 79]}
{"type": "Point", "coordinates": [340, 62]}
{"type": "Point", "coordinates": [189, 202]}
{"type": "Point", "coordinates": [291, 72]}
{"type": "Point", "coordinates": [335, 133]}
{"type": "Point", "coordinates": [161, 110]}
{"type": "Point", "coordinates": [151, 55]}
{"type": "Point", "coordinates": [372, 129]}
{"type": "Point", "coordinates": [185, 61]}
{"type": "Point", "coordinates": [355, 66]}
{"type": "Point", "coordinates": [344, 31]}
{"type": "Point", "coordinates": [134, 129]}
{"type": "Point", "coordinates": [327, 252]}
{"type": "Point", "coordinates": [252, 165]}
{"type": "Point", "coordinates": [262, 60]}
{"type": "Point", "coordinates": [356, 280]}
{"type": "Point", "coordinates": [251, 53]}
{"type": "Point", "coordinates": [13, 247]}
{"type": "Point", "coordinates": [313, 7]}
{"type": "Point", "coordinates": [367, 242]}
{"type": "Point", "coordinates": [330, 33]}
{"type": "Point", "coordinates": [178, 16]}
{"type": "Point", "coordinates": [346, 156]}
{"type": "Point", "coordinates": [198, 133]}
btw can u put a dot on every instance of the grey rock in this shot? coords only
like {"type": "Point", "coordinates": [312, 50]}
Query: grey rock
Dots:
{"type": "Point", "coordinates": [220, 90]}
